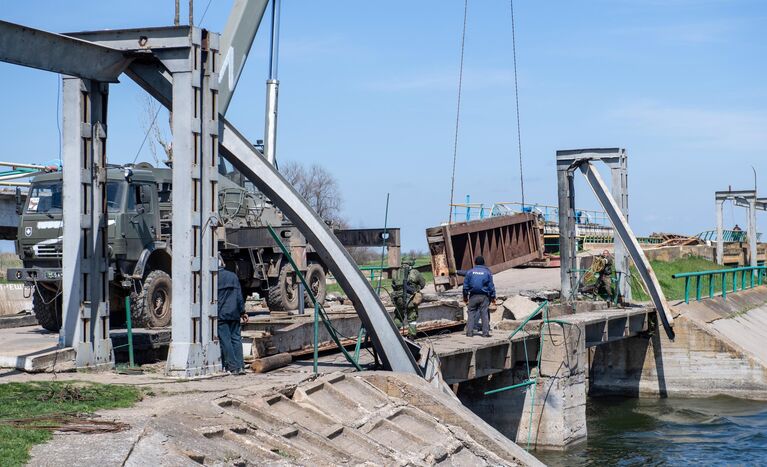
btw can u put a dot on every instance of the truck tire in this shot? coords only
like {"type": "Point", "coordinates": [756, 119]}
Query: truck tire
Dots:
{"type": "Point", "coordinates": [152, 307]}
{"type": "Point", "coordinates": [283, 295]}
{"type": "Point", "coordinates": [315, 277]}
{"type": "Point", "coordinates": [47, 307]}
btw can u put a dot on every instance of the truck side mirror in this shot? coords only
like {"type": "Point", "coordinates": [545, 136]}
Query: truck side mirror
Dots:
{"type": "Point", "coordinates": [19, 204]}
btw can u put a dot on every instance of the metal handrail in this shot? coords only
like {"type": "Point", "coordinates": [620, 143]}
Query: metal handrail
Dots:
{"type": "Point", "coordinates": [755, 276]}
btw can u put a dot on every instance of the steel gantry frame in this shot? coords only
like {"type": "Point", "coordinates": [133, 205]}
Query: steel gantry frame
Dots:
{"type": "Point", "coordinates": [617, 160]}
{"type": "Point", "coordinates": [745, 199]}
{"type": "Point", "coordinates": [182, 68]}
{"type": "Point", "coordinates": [616, 207]}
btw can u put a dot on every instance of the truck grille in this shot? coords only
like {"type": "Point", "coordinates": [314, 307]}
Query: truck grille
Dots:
{"type": "Point", "coordinates": [48, 251]}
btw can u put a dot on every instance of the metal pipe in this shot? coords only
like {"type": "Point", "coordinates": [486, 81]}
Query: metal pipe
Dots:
{"type": "Point", "coordinates": [301, 304]}
{"type": "Point", "coordinates": [316, 334]}
{"type": "Point", "coordinates": [274, 42]}
{"type": "Point", "coordinates": [16, 165]}
{"type": "Point", "coordinates": [272, 88]}
{"type": "Point", "coordinates": [129, 328]}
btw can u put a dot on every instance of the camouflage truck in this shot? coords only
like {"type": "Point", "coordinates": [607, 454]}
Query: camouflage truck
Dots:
{"type": "Point", "coordinates": [139, 229]}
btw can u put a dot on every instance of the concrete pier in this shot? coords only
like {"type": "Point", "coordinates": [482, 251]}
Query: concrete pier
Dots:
{"type": "Point", "coordinates": [551, 413]}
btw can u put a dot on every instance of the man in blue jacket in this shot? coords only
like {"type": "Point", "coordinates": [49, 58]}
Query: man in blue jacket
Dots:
{"type": "Point", "coordinates": [231, 309]}
{"type": "Point", "coordinates": [478, 291]}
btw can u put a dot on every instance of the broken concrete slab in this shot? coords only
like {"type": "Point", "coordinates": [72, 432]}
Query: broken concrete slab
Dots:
{"type": "Point", "coordinates": [515, 308]}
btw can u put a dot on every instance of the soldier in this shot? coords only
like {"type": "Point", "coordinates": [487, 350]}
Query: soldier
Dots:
{"type": "Point", "coordinates": [408, 298]}
{"type": "Point", "coordinates": [605, 279]}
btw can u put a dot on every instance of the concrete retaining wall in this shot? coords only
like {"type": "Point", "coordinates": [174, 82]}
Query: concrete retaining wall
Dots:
{"type": "Point", "coordinates": [671, 253]}
{"type": "Point", "coordinates": [719, 350]}
{"type": "Point", "coordinates": [12, 299]}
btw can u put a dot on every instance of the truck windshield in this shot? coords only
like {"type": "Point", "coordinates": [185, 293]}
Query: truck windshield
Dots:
{"type": "Point", "coordinates": [46, 198]}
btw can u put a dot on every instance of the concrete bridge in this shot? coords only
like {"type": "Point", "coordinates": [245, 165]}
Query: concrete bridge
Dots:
{"type": "Point", "coordinates": [556, 390]}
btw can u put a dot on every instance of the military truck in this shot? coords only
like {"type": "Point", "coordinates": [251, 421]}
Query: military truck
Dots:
{"type": "Point", "coordinates": [139, 229]}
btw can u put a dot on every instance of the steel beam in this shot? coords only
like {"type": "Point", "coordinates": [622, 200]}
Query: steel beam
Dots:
{"type": "Point", "coordinates": [138, 39]}
{"type": "Point", "coordinates": [623, 230]}
{"type": "Point", "coordinates": [719, 231]}
{"type": "Point", "coordinates": [568, 246]}
{"type": "Point", "coordinates": [386, 339]}
{"type": "Point", "coordinates": [44, 50]}
{"type": "Point", "coordinates": [236, 40]}
{"type": "Point", "coordinates": [194, 349]}
{"type": "Point", "coordinates": [85, 282]}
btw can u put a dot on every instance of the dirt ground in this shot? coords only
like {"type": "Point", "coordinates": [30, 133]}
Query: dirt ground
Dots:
{"type": "Point", "coordinates": [513, 281]}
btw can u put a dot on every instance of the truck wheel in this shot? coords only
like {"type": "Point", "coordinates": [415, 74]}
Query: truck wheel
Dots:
{"type": "Point", "coordinates": [315, 277]}
{"type": "Point", "coordinates": [152, 308]}
{"type": "Point", "coordinates": [284, 294]}
{"type": "Point", "coordinates": [47, 307]}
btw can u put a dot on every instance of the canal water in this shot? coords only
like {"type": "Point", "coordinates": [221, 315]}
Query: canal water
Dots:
{"type": "Point", "coordinates": [673, 431]}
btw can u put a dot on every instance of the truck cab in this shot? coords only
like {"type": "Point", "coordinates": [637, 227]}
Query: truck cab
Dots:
{"type": "Point", "coordinates": [133, 226]}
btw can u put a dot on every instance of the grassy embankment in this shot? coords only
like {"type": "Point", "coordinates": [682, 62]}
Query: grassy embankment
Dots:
{"type": "Point", "coordinates": [47, 402]}
{"type": "Point", "coordinates": [674, 288]}
{"type": "Point", "coordinates": [335, 289]}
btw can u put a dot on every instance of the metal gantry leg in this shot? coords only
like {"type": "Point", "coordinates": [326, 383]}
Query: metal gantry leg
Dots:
{"type": "Point", "coordinates": [194, 348]}
{"type": "Point", "coordinates": [619, 171]}
{"type": "Point", "coordinates": [85, 282]}
{"type": "Point", "coordinates": [568, 243]}
{"type": "Point", "coordinates": [719, 231]}
{"type": "Point", "coordinates": [752, 235]}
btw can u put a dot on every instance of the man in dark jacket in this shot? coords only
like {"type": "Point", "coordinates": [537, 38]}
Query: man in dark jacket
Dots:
{"type": "Point", "coordinates": [231, 309]}
{"type": "Point", "coordinates": [478, 291]}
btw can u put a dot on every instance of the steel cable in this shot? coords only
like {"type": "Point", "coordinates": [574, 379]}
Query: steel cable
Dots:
{"type": "Point", "coordinates": [516, 99]}
{"type": "Point", "coordinates": [458, 108]}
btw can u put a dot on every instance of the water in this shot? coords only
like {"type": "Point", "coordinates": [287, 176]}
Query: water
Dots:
{"type": "Point", "coordinates": [674, 431]}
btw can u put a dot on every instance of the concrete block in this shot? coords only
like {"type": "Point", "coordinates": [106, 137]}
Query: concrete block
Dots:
{"type": "Point", "coordinates": [517, 307]}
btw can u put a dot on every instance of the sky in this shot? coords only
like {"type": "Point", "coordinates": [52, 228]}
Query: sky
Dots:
{"type": "Point", "coordinates": [369, 91]}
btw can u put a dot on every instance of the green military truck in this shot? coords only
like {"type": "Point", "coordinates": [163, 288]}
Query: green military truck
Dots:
{"type": "Point", "coordinates": [139, 229]}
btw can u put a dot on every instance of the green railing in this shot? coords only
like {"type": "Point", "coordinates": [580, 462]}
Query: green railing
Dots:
{"type": "Point", "coordinates": [748, 276]}
{"type": "Point", "coordinates": [728, 236]}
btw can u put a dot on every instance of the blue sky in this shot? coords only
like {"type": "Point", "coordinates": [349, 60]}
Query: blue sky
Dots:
{"type": "Point", "coordinates": [368, 90]}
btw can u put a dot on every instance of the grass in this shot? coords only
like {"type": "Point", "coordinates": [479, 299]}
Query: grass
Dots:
{"type": "Point", "coordinates": [24, 400]}
{"type": "Point", "coordinates": [674, 288]}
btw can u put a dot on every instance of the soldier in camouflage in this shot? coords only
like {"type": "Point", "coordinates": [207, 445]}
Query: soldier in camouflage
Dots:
{"type": "Point", "coordinates": [407, 296]}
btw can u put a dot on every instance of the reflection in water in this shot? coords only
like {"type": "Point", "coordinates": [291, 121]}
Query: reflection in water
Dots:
{"type": "Point", "coordinates": [711, 431]}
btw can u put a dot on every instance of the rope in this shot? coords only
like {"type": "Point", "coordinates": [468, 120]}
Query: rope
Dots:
{"type": "Point", "coordinates": [204, 13]}
{"type": "Point", "coordinates": [516, 98]}
{"type": "Point", "coordinates": [458, 108]}
{"type": "Point", "coordinates": [146, 135]}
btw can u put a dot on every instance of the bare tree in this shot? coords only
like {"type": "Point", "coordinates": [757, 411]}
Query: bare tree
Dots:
{"type": "Point", "coordinates": [318, 186]}
{"type": "Point", "coordinates": [158, 136]}
{"type": "Point", "coordinates": [320, 189]}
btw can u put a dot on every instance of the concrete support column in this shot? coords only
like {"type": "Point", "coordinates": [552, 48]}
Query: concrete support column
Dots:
{"type": "Point", "coordinates": [558, 399]}
{"type": "Point", "coordinates": [719, 231]}
{"type": "Point", "coordinates": [85, 281]}
{"type": "Point", "coordinates": [568, 246]}
{"type": "Point", "coordinates": [620, 193]}
{"type": "Point", "coordinates": [194, 347]}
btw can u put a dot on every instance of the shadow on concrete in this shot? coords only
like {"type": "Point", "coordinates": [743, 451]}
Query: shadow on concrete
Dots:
{"type": "Point", "coordinates": [503, 410]}
{"type": "Point", "coordinates": [615, 368]}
